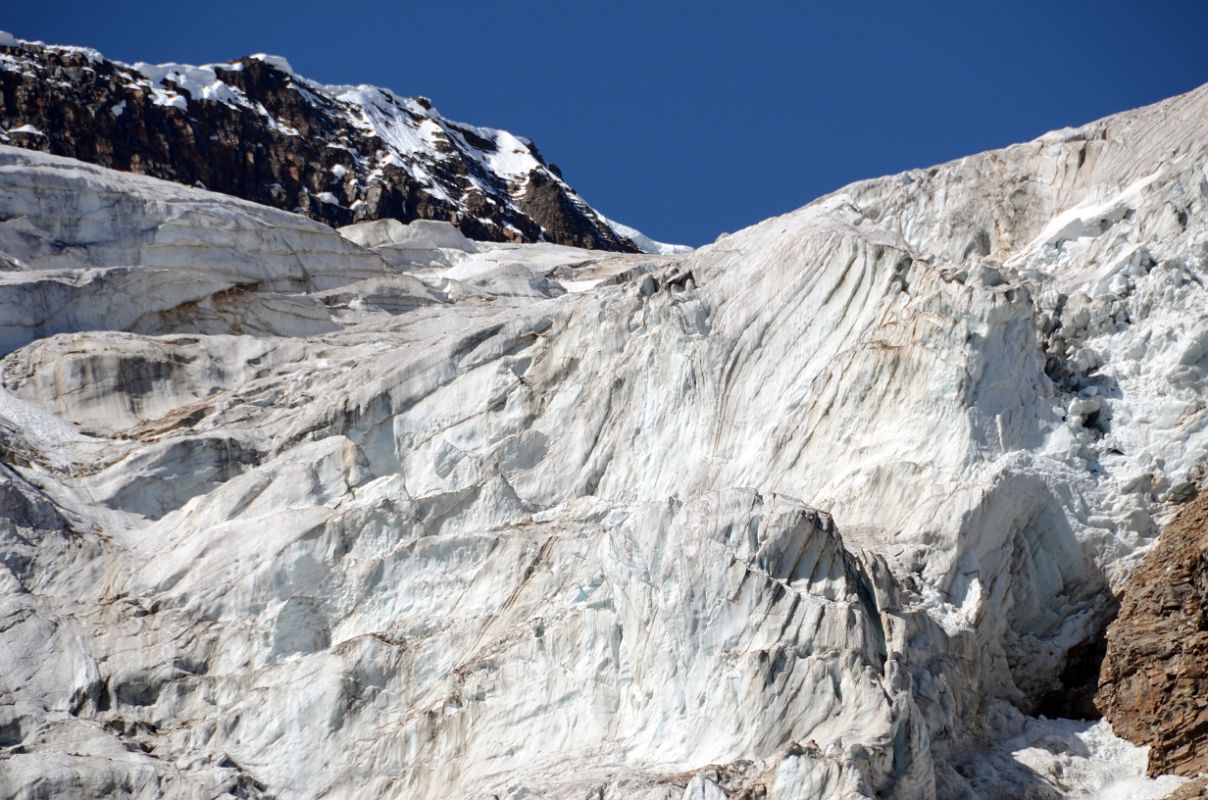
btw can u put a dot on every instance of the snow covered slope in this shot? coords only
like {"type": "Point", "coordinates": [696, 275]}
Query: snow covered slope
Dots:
{"type": "Point", "coordinates": [255, 129]}
{"type": "Point", "coordinates": [832, 508]}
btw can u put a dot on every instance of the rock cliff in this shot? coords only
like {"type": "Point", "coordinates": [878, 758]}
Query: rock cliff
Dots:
{"type": "Point", "coordinates": [1154, 686]}
{"type": "Point", "coordinates": [253, 129]}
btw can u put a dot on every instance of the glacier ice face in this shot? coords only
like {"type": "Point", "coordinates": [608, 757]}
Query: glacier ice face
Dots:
{"type": "Point", "coordinates": [815, 511]}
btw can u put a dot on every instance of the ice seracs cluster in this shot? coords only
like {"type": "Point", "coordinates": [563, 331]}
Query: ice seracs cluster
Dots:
{"type": "Point", "coordinates": [827, 509]}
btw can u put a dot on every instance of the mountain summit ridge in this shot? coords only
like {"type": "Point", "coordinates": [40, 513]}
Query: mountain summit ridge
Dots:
{"type": "Point", "coordinates": [255, 129]}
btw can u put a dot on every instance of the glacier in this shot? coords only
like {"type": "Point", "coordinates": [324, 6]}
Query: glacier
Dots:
{"type": "Point", "coordinates": [820, 510]}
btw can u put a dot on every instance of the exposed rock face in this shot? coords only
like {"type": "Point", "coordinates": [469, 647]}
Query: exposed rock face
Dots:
{"type": "Point", "coordinates": [253, 129]}
{"type": "Point", "coordinates": [1192, 790]}
{"type": "Point", "coordinates": [824, 510]}
{"type": "Point", "coordinates": [1154, 685]}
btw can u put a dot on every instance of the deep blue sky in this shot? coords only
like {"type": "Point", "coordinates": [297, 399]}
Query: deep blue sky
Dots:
{"type": "Point", "coordinates": [689, 119]}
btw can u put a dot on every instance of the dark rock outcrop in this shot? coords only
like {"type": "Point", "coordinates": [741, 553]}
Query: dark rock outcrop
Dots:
{"type": "Point", "coordinates": [253, 129]}
{"type": "Point", "coordinates": [1154, 681]}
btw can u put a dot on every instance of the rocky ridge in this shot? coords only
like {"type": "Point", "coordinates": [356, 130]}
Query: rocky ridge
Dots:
{"type": "Point", "coordinates": [253, 129]}
{"type": "Point", "coordinates": [830, 508]}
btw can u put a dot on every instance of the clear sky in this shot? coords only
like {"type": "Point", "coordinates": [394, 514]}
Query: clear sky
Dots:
{"type": "Point", "coordinates": [689, 119]}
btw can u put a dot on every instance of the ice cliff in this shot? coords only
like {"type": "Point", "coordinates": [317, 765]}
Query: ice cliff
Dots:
{"type": "Point", "coordinates": [835, 507]}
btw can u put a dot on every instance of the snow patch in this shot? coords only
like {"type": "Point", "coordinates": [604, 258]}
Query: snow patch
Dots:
{"type": "Point", "coordinates": [202, 83]}
{"type": "Point", "coordinates": [1090, 217]}
{"type": "Point", "coordinates": [275, 61]}
{"type": "Point", "coordinates": [385, 114]}
{"type": "Point", "coordinates": [511, 158]}
{"type": "Point", "coordinates": [644, 242]}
